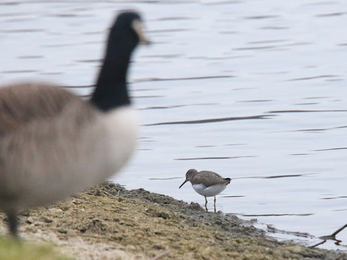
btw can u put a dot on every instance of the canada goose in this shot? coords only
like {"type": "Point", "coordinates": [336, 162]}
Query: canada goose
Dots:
{"type": "Point", "coordinates": [206, 183]}
{"type": "Point", "coordinates": [53, 144]}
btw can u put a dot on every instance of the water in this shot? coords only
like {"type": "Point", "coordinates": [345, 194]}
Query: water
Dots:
{"type": "Point", "coordinates": [254, 90]}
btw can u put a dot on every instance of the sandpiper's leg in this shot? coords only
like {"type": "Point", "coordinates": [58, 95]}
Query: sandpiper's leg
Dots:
{"type": "Point", "coordinates": [13, 224]}
{"type": "Point", "coordinates": [206, 204]}
{"type": "Point", "coordinates": [215, 204]}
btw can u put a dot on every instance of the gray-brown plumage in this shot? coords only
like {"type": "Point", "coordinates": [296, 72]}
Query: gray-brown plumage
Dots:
{"type": "Point", "coordinates": [206, 183]}
{"type": "Point", "coordinates": [42, 141]}
{"type": "Point", "coordinates": [54, 144]}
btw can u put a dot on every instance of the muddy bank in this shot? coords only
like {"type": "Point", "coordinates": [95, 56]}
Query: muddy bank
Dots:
{"type": "Point", "coordinates": [109, 222]}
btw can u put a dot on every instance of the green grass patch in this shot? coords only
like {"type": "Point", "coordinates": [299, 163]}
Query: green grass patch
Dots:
{"type": "Point", "coordinates": [14, 250]}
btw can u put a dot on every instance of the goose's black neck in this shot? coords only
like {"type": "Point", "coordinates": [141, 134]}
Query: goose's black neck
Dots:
{"type": "Point", "coordinates": [111, 87]}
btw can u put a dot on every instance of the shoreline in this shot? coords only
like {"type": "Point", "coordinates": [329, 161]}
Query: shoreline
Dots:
{"type": "Point", "coordinates": [110, 222]}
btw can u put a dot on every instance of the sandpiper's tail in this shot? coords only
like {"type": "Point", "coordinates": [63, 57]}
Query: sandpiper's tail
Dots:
{"type": "Point", "coordinates": [228, 180]}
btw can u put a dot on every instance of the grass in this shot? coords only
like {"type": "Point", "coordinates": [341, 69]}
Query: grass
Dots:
{"type": "Point", "coordinates": [14, 250]}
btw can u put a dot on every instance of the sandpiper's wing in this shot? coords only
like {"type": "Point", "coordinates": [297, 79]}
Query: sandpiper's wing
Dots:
{"type": "Point", "coordinates": [208, 178]}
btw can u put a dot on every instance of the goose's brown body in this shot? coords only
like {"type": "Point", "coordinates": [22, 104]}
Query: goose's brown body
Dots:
{"type": "Point", "coordinates": [56, 144]}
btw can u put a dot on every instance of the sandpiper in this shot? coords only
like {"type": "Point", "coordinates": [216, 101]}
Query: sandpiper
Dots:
{"type": "Point", "coordinates": [206, 183]}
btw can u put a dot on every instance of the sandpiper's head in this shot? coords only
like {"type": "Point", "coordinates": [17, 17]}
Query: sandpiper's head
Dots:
{"type": "Point", "coordinates": [189, 175]}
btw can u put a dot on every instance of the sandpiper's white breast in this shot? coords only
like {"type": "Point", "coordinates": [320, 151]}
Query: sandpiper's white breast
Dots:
{"type": "Point", "coordinates": [209, 191]}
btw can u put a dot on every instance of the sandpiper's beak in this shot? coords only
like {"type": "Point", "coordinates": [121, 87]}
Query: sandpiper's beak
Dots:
{"type": "Point", "coordinates": [183, 183]}
{"type": "Point", "coordinates": [139, 29]}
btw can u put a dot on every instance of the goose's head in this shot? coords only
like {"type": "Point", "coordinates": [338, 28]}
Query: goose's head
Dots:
{"type": "Point", "coordinates": [111, 86]}
{"type": "Point", "coordinates": [127, 31]}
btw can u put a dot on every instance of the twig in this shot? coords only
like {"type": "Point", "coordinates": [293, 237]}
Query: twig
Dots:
{"type": "Point", "coordinates": [161, 254]}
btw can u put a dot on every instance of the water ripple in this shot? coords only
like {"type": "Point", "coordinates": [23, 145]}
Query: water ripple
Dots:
{"type": "Point", "coordinates": [276, 215]}
{"type": "Point", "coordinates": [330, 149]}
{"type": "Point", "coordinates": [212, 158]}
{"type": "Point", "coordinates": [275, 176]}
{"type": "Point", "coordinates": [293, 233]}
{"type": "Point", "coordinates": [331, 14]}
{"type": "Point", "coordinates": [314, 77]}
{"type": "Point", "coordinates": [334, 198]}
{"type": "Point", "coordinates": [184, 78]}
{"type": "Point", "coordinates": [307, 111]}
{"type": "Point", "coordinates": [210, 120]}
